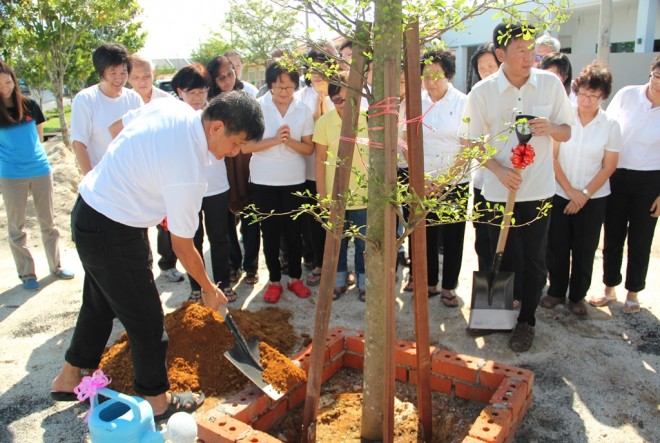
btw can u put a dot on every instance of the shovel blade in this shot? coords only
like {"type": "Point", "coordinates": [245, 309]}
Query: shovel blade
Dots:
{"type": "Point", "coordinates": [492, 301]}
{"type": "Point", "coordinates": [249, 366]}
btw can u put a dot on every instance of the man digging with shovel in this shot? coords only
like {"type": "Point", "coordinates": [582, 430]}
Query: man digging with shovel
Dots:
{"type": "Point", "coordinates": [492, 105]}
{"type": "Point", "coordinates": [153, 169]}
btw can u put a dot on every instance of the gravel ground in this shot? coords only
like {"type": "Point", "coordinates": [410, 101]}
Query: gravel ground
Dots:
{"type": "Point", "coordinates": [596, 378]}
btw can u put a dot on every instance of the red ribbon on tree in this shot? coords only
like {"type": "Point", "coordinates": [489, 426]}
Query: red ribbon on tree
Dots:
{"type": "Point", "coordinates": [522, 156]}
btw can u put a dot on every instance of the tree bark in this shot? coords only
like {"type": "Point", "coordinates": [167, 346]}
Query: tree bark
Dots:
{"type": "Point", "coordinates": [377, 408]}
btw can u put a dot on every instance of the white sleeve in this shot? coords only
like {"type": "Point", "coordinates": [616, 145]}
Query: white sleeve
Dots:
{"type": "Point", "coordinates": [81, 120]}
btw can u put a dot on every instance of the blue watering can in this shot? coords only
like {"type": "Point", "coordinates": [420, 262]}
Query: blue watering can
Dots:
{"type": "Point", "coordinates": [122, 418]}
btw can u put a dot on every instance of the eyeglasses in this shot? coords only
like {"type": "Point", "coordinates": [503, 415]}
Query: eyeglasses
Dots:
{"type": "Point", "coordinates": [538, 58]}
{"type": "Point", "coordinates": [591, 97]}
{"type": "Point", "coordinates": [338, 100]}
{"type": "Point", "coordinates": [280, 89]}
{"type": "Point", "coordinates": [197, 93]}
{"type": "Point", "coordinates": [231, 74]}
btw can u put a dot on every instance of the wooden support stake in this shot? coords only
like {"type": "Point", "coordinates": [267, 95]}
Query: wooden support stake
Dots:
{"type": "Point", "coordinates": [419, 265]}
{"type": "Point", "coordinates": [333, 241]}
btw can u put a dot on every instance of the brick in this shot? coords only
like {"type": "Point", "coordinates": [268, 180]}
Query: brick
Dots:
{"type": "Point", "coordinates": [331, 368]}
{"type": "Point", "coordinates": [405, 353]}
{"type": "Point", "coordinates": [354, 361]}
{"type": "Point", "coordinates": [441, 384]}
{"type": "Point", "coordinates": [335, 345]}
{"type": "Point", "coordinates": [492, 425]}
{"type": "Point", "coordinates": [457, 366]}
{"type": "Point", "coordinates": [493, 373]}
{"type": "Point", "coordinates": [246, 405]}
{"type": "Point", "coordinates": [473, 392]}
{"type": "Point", "coordinates": [303, 358]}
{"type": "Point", "coordinates": [510, 395]}
{"type": "Point", "coordinates": [271, 417]}
{"type": "Point", "coordinates": [297, 396]}
{"type": "Point", "coordinates": [401, 374]}
{"type": "Point", "coordinates": [217, 428]}
{"type": "Point", "coordinates": [517, 420]}
{"type": "Point", "coordinates": [355, 344]}
{"type": "Point", "coordinates": [259, 437]}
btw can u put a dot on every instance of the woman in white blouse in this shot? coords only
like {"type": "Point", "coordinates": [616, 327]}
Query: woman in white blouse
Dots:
{"type": "Point", "coordinates": [582, 166]}
{"type": "Point", "coordinates": [634, 206]}
{"type": "Point", "coordinates": [442, 108]}
{"type": "Point", "coordinates": [277, 172]}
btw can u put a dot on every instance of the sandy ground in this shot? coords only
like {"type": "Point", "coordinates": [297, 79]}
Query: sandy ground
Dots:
{"type": "Point", "coordinates": [596, 378]}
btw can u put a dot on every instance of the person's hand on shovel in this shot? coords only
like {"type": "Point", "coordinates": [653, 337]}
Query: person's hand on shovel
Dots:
{"type": "Point", "coordinates": [509, 177]}
{"type": "Point", "coordinates": [213, 298]}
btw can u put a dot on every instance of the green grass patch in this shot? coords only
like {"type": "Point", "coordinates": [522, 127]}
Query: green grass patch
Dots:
{"type": "Point", "coordinates": [53, 122]}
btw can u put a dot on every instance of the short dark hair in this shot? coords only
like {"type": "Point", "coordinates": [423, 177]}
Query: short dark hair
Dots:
{"type": "Point", "coordinates": [595, 76]}
{"type": "Point", "coordinates": [346, 44]}
{"type": "Point", "coordinates": [110, 54]}
{"type": "Point", "coordinates": [563, 65]}
{"type": "Point", "coordinates": [334, 87]}
{"type": "Point", "coordinates": [191, 77]}
{"type": "Point", "coordinates": [314, 56]}
{"type": "Point", "coordinates": [276, 69]}
{"type": "Point", "coordinates": [239, 111]}
{"type": "Point", "coordinates": [445, 58]}
{"type": "Point", "coordinates": [504, 33]}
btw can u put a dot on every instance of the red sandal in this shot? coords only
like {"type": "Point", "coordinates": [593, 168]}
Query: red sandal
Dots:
{"type": "Point", "coordinates": [273, 293]}
{"type": "Point", "coordinates": [299, 288]}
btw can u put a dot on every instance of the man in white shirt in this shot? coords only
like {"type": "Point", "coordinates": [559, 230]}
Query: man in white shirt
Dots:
{"type": "Point", "coordinates": [492, 106]}
{"type": "Point", "coordinates": [141, 79]}
{"type": "Point", "coordinates": [154, 168]}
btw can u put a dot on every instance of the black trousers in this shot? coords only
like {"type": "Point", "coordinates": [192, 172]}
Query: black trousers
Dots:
{"type": "Point", "coordinates": [118, 283]}
{"type": "Point", "coordinates": [248, 259]}
{"type": "Point", "coordinates": [629, 215]}
{"type": "Point", "coordinates": [213, 217]}
{"type": "Point", "coordinates": [313, 233]}
{"type": "Point", "coordinates": [481, 237]}
{"type": "Point", "coordinates": [280, 200]}
{"type": "Point", "coordinates": [167, 258]}
{"type": "Point", "coordinates": [572, 243]}
{"type": "Point", "coordinates": [525, 255]}
{"type": "Point", "coordinates": [451, 236]}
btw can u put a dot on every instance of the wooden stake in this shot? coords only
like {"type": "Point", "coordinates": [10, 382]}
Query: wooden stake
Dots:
{"type": "Point", "coordinates": [419, 265]}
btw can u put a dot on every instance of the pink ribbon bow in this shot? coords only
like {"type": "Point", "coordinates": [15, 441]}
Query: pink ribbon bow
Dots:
{"type": "Point", "coordinates": [88, 388]}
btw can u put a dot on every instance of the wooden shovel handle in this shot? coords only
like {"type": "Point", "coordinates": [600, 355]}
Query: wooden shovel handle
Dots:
{"type": "Point", "coordinates": [508, 212]}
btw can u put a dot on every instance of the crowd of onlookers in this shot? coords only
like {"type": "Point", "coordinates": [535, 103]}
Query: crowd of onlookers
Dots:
{"type": "Point", "coordinates": [596, 167]}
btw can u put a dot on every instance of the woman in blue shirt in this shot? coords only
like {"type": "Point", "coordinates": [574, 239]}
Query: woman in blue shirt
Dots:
{"type": "Point", "coordinates": [24, 168]}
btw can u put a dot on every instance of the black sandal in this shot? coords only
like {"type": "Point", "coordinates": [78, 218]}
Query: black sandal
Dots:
{"type": "Point", "coordinates": [337, 292]}
{"type": "Point", "coordinates": [181, 402]}
{"type": "Point", "coordinates": [230, 294]}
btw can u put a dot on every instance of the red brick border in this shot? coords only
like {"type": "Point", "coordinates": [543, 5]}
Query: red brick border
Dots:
{"type": "Point", "coordinates": [507, 389]}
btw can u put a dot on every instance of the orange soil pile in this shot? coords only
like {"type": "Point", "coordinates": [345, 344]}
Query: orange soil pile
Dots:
{"type": "Point", "coordinates": [279, 370]}
{"type": "Point", "coordinates": [198, 340]}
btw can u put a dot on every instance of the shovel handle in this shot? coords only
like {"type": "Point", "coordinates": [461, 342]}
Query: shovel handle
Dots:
{"type": "Point", "coordinates": [506, 223]}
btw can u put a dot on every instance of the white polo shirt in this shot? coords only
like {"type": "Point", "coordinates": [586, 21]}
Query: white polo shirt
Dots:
{"type": "Point", "coordinates": [92, 113]}
{"type": "Point", "coordinates": [581, 157]}
{"type": "Point", "coordinates": [154, 168]}
{"type": "Point", "coordinates": [440, 123]}
{"type": "Point", "coordinates": [492, 106]}
{"type": "Point", "coordinates": [280, 165]}
{"type": "Point", "coordinates": [640, 128]}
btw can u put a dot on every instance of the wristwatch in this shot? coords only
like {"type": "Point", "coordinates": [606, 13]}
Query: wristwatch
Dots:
{"type": "Point", "coordinates": [585, 192]}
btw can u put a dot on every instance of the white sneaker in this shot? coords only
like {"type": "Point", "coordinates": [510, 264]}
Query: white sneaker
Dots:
{"type": "Point", "coordinates": [172, 275]}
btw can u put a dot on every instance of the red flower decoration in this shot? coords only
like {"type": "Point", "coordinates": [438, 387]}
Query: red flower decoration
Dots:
{"type": "Point", "coordinates": [523, 156]}
{"type": "Point", "coordinates": [28, 118]}
{"type": "Point", "coordinates": [164, 224]}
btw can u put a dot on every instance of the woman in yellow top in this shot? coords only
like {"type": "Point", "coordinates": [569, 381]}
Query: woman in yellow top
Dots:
{"type": "Point", "coordinates": [326, 141]}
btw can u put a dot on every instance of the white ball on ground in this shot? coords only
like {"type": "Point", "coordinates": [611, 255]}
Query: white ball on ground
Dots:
{"type": "Point", "coordinates": [181, 428]}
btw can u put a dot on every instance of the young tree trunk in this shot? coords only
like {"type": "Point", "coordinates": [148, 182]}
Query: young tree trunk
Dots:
{"type": "Point", "coordinates": [58, 91]}
{"type": "Point", "coordinates": [377, 409]}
